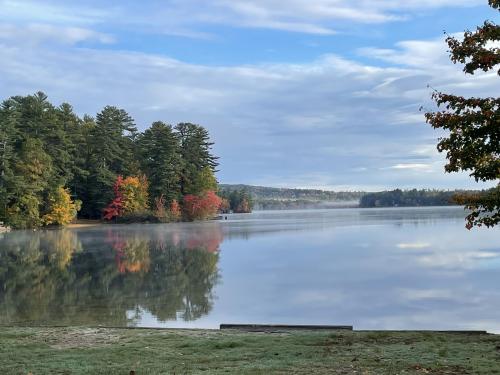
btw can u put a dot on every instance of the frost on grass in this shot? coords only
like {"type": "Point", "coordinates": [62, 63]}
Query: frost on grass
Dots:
{"type": "Point", "coordinates": [77, 337]}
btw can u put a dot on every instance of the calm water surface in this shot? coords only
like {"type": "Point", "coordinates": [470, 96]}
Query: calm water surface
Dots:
{"type": "Point", "coordinates": [414, 268]}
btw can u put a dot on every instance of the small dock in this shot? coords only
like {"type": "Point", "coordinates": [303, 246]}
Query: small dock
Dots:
{"type": "Point", "coordinates": [284, 327]}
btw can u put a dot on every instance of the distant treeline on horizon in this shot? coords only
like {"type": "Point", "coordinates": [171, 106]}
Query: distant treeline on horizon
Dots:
{"type": "Point", "coordinates": [266, 198]}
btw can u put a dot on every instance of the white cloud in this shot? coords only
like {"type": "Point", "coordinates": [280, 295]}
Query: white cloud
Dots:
{"type": "Point", "coordinates": [416, 166]}
{"type": "Point", "coordinates": [298, 124]}
{"type": "Point", "coordinates": [413, 294]}
{"type": "Point", "coordinates": [51, 12]}
{"type": "Point", "coordinates": [413, 245]}
{"type": "Point", "coordinates": [184, 17]}
{"type": "Point", "coordinates": [316, 17]}
{"type": "Point", "coordinates": [36, 33]}
{"type": "Point", "coordinates": [426, 151]}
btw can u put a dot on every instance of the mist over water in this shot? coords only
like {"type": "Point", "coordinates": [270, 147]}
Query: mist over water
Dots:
{"type": "Point", "coordinates": [401, 268]}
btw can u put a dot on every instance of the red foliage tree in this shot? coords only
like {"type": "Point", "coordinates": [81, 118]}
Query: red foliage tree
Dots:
{"type": "Point", "coordinates": [200, 207]}
{"type": "Point", "coordinates": [116, 207]}
{"type": "Point", "coordinates": [130, 196]}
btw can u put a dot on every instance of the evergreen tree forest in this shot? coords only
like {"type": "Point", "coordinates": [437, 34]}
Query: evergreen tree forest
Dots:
{"type": "Point", "coordinates": [408, 198]}
{"type": "Point", "coordinates": [239, 201]}
{"type": "Point", "coordinates": [54, 164]}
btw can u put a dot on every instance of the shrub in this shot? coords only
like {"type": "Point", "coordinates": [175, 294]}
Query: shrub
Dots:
{"type": "Point", "coordinates": [201, 207]}
{"type": "Point", "coordinates": [145, 216]}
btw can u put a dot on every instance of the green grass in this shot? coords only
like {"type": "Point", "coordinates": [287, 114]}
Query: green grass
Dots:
{"type": "Point", "coordinates": [119, 351]}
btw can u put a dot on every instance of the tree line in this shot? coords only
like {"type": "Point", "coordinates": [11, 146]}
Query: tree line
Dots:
{"type": "Point", "coordinates": [408, 198]}
{"type": "Point", "coordinates": [238, 201]}
{"type": "Point", "coordinates": [264, 193]}
{"type": "Point", "coordinates": [54, 164]}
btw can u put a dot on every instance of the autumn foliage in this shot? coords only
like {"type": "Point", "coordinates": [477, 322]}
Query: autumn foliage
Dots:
{"type": "Point", "coordinates": [131, 196]}
{"type": "Point", "coordinates": [160, 211]}
{"type": "Point", "coordinates": [200, 207]}
{"type": "Point", "coordinates": [115, 208]}
{"type": "Point", "coordinates": [62, 209]}
{"type": "Point", "coordinates": [472, 132]}
{"type": "Point", "coordinates": [175, 211]}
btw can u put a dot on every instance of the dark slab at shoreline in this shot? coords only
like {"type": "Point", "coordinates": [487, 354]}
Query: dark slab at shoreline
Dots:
{"type": "Point", "coordinates": [267, 327]}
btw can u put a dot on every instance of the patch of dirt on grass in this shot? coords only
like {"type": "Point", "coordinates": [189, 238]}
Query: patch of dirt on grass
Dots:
{"type": "Point", "coordinates": [77, 337]}
{"type": "Point", "coordinates": [177, 333]}
{"type": "Point", "coordinates": [444, 370]}
{"type": "Point", "coordinates": [213, 333]}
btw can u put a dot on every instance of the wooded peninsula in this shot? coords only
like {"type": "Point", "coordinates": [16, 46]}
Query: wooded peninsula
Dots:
{"type": "Point", "coordinates": [55, 165]}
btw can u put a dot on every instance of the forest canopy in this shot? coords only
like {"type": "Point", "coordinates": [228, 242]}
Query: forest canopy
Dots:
{"type": "Point", "coordinates": [54, 163]}
{"type": "Point", "coordinates": [408, 198]}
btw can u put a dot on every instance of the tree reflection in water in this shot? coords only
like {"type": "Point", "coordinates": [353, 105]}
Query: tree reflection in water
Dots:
{"type": "Point", "coordinates": [96, 276]}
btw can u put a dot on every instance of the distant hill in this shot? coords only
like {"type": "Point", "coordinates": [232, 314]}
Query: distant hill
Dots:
{"type": "Point", "coordinates": [269, 198]}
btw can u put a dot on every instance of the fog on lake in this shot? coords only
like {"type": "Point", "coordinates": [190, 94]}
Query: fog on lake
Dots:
{"type": "Point", "coordinates": [398, 268]}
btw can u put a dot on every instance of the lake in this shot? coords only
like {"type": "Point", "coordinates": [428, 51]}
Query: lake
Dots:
{"type": "Point", "coordinates": [395, 268]}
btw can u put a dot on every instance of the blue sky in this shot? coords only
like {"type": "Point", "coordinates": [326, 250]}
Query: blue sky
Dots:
{"type": "Point", "coordinates": [302, 93]}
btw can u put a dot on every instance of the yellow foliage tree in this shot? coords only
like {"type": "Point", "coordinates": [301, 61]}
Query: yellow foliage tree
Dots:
{"type": "Point", "coordinates": [135, 194]}
{"type": "Point", "coordinates": [62, 209]}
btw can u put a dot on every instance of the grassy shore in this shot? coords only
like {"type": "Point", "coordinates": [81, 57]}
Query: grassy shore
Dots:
{"type": "Point", "coordinates": [120, 351]}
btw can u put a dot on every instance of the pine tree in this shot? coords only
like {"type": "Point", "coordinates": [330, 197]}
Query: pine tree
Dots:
{"type": "Point", "coordinates": [72, 127]}
{"type": "Point", "coordinates": [9, 138]}
{"type": "Point", "coordinates": [161, 161]}
{"type": "Point", "coordinates": [196, 152]}
{"type": "Point", "coordinates": [80, 184]}
{"type": "Point", "coordinates": [33, 173]}
{"type": "Point", "coordinates": [112, 154]}
{"type": "Point", "coordinates": [39, 120]}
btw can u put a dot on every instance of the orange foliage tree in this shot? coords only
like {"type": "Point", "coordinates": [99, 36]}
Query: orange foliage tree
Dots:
{"type": "Point", "coordinates": [175, 211]}
{"type": "Point", "coordinates": [201, 207]}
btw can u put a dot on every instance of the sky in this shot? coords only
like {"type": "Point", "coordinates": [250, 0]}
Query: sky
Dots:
{"type": "Point", "coordinates": [298, 93]}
